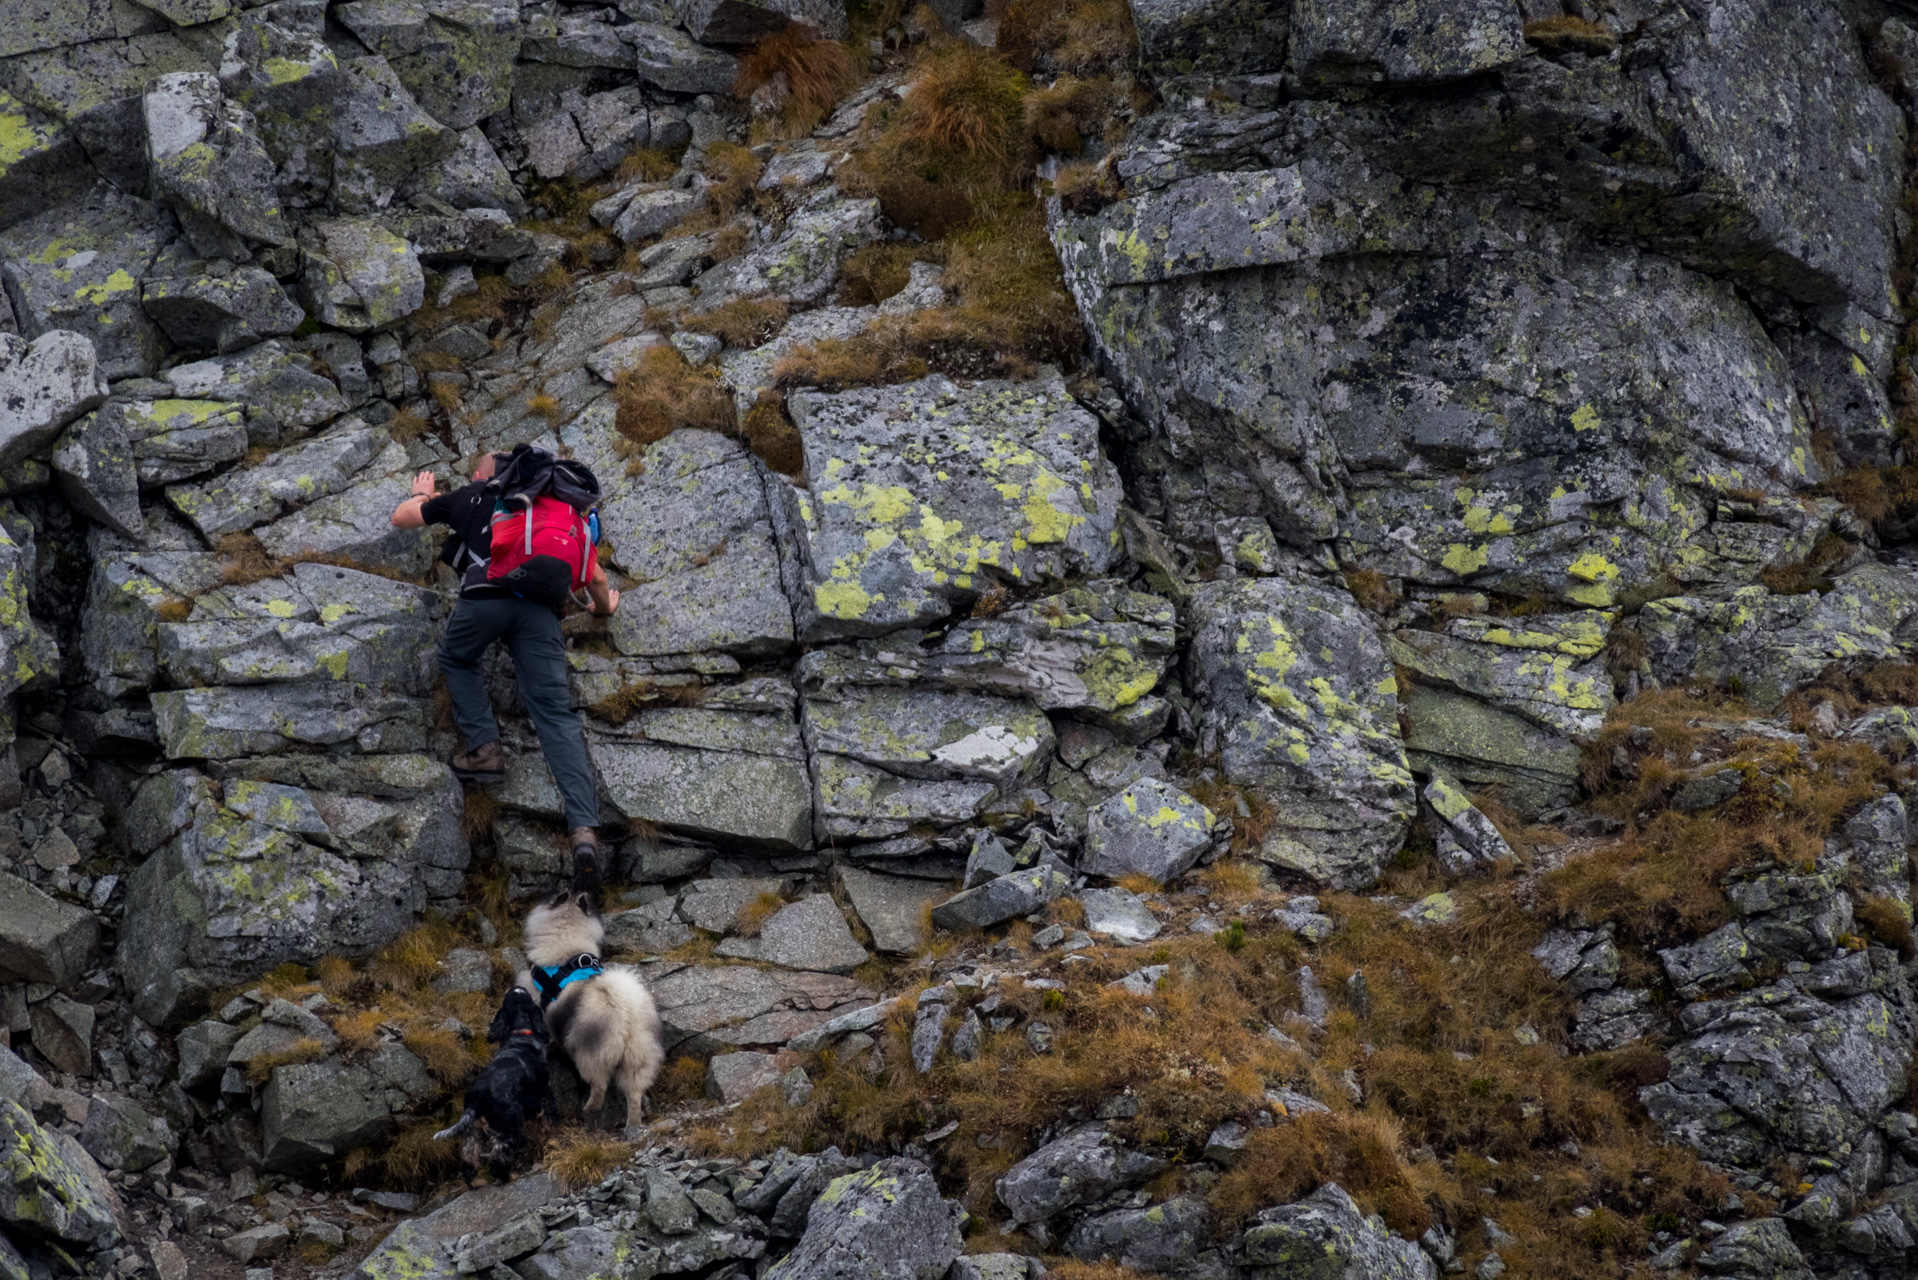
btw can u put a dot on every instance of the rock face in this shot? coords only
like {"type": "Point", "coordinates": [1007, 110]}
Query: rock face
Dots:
{"type": "Point", "coordinates": [49, 1185]}
{"type": "Point", "coordinates": [335, 857]}
{"type": "Point", "coordinates": [887, 1221]}
{"type": "Point", "coordinates": [993, 489]}
{"type": "Point", "coordinates": [1301, 705]}
{"type": "Point", "coordinates": [1461, 379]}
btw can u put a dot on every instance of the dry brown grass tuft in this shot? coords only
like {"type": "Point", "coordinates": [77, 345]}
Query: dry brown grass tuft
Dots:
{"type": "Point", "coordinates": [305, 1049]}
{"type": "Point", "coordinates": [247, 560]}
{"type": "Point", "coordinates": [173, 609]}
{"type": "Point", "coordinates": [683, 1080]}
{"type": "Point", "coordinates": [735, 173]}
{"type": "Point", "coordinates": [579, 1159]}
{"type": "Point", "coordinates": [1061, 116]}
{"type": "Point", "coordinates": [964, 101]}
{"type": "Point", "coordinates": [442, 1053]}
{"type": "Point", "coordinates": [1661, 880]}
{"type": "Point", "coordinates": [1076, 37]}
{"type": "Point", "coordinates": [816, 73]}
{"type": "Point", "coordinates": [643, 694]}
{"type": "Point", "coordinates": [1570, 35]}
{"type": "Point", "coordinates": [1885, 919]}
{"type": "Point", "coordinates": [743, 322]}
{"type": "Point", "coordinates": [413, 1158]}
{"type": "Point", "coordinates": [479, 814]}
{"type": "Point", "coordinates": [1014, 313]}
{"type": "Point", "coordinates": [661, 393]}
{"type": "Point", "coordinates": [1073, 1269]}
{"type": "Point", "coordinates": [770, 433]}
{"type": "Point", "coordinates": [548, 408]}
{"type": "Point", "coordinates": [406, 426]}
{"type": "Point", "coordinates": [1372, 590]}
{"type": "Point", "coordinates": [753, 916]}
{"type": "Point", "coordinates": [413, 959]}
{"type": "Point", "coordinates": [647, 165]}
{"type": "Point", "coordinates": [1358, 1150]}
{"type": "Point", "coordinates": [874, 272]}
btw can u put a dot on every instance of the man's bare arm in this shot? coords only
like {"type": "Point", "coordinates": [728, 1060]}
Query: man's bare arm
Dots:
{"type": "Point", "coordinates": [407, 514]}
{"type": "Point", "coordinates": [605, 599]}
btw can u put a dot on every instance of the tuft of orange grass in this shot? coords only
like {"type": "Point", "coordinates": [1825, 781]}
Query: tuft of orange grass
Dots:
{"type": "Point", "coordinates": [753, 916]}
{"type": "Point", "coordinates": [816, 72]}
{"type": "Point", "coordinates": [579, 1158]}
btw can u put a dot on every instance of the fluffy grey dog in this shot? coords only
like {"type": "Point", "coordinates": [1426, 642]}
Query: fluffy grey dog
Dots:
{"type": "Point", "coordinates": [602, 1017]}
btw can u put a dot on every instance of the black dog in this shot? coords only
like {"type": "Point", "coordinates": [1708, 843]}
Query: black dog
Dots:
{"type": "Point", "coordinates": [515, 1087]}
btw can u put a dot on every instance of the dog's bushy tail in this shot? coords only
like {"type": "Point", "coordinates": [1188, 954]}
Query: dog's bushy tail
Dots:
{"type": "Point", "coordinates": [639, 1065]}
{"type": "Point", "coordinates": [459, 1126]}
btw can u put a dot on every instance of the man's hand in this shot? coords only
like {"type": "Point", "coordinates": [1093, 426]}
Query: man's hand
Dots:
{"type": "Point", "coordinates": [407, 514]}
{"type": "Point", "coordinates": [611, 603]}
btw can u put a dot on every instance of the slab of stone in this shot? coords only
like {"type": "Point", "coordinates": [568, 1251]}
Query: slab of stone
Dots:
{"type": "Point", "coordinates": [1119, 915]}
{"type": "Point", "coordinates": [1299, 700]}
{"type": "Point", "coordinates": [999, 900]}
{"type": "Point", "coordinates": [1151, 828]}
{"type": "Point", "coordinates": [44, 385]}
{"type": "Point", "coordinates": [734, 1077]}
{"type": "Point", "coordinates": [893, 908]}
{"type": "Point", "coordinates": [1004, 481]}
{"type": "Point", "coordinates": [810, 934]}
{"type": "Point", "coordinates": [52, 1185]}
{"type": "Point", "coordinates": [708, 1008]}
{"type": "Point", "coordinates": [42, 939]}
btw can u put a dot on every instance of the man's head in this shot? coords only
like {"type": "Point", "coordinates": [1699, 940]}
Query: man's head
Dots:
{"type": "Point", "coordinates": [489, 465]}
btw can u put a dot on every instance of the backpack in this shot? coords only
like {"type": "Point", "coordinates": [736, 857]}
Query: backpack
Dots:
{"type": "Point", "coordinates": [544, 526]}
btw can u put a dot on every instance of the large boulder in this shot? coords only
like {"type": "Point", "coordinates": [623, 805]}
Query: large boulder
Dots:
{"type": "Point", "coordinates": [78, 266]}
{"type": "Point", "coordinates": [456, 56]}
{"type": "Point", "coordinates": [94, 464]}
{"type": "Point", "coordinates": [736, 775]}
{"type": "Point", "coordinates": [312, 1112]}
{"type": "Point", "coordinates": [208, 166]}
{"type": "Point", "coordinates": [50, 1186]}
{"type": "Point", "coordinates": [693, 528]}
{"type": "Point", "coordinates": [44, 384]}
{"type": "Point", "coordinates": [1096, 650]}
{"type": "Point", "coordinates": [42, 164]}
{"type": "Point", "coordinates": [41, 939]}
{"type": "Point", "coordinates": [284, 398]}
{"type": "Point", "coordinates": [304, 858]}
{"type": "Point", "coordinates": [1328, 1234]}
{"type": "Point", "coordinates": [360, 276]}
{"type": "Point", "coordinates": [1151, 828]}
{"type": "Point", "coordinates": [1301, 705]}
{"type": "Point", "coordinates": [1079, 1168]}
{"type": "Point", "coordinates": [223, 309]}
{"type": "Point", "coordinates": [1771, 644]}
{"type": "Point", "coordinates": [926, 494]}
{"type": "Point", "coordinates": [319, 622]}
{"type": "Point", "coordinates": [1309, 305]}
{"type": "Point", "coordinates": [1776, 1073]}
{"type": "Point", "coordinates": [174, 440]}
{"type": "Point", "coordinates": [295, 476]}
{"type": "Point", "coordinates": [887, 1221]}
{"type": "Point", "coordinates": [885, 759]}
{"type": "Point", "coordinates": [381, 137]}
{"type": "Point", "coordinates": [705, 1009]}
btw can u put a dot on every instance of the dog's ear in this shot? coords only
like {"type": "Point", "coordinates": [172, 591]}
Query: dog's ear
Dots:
{"type": "Point", "coordinates": [584, 901]}
{"type": "Point", "coordinates": [538, 1021]}
{"type": "Point", "coordinates": [502, 1024]}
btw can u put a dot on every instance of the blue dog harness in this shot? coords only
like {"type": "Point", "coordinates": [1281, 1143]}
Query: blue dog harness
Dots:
{"type": "Point", "coordinates": [554, 979]}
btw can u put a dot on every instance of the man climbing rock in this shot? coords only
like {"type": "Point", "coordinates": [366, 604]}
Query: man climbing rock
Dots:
{"type": "Point", "coordinates": [529, 623]}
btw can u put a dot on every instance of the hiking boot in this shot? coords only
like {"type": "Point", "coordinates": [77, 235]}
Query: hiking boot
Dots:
{"type": "Point", "coordinates": [585, 860]}
{"type": "Point", "coordinates": [482, 765]}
